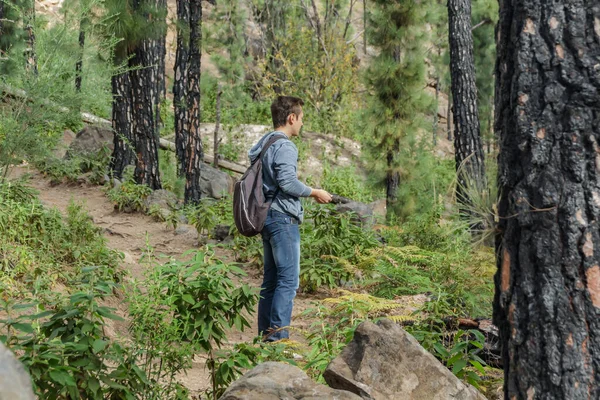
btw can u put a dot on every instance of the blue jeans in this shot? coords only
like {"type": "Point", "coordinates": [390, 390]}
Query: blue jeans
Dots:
{"type": "Point", "coordinates": [281, 244]}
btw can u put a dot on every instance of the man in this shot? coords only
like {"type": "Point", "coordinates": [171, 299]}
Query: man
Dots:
{"type": "Point", "coordinates": [281, 236]}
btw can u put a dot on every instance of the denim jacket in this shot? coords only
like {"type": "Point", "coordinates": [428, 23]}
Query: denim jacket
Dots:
{"type": "Point", "coordinates": [279, 171]}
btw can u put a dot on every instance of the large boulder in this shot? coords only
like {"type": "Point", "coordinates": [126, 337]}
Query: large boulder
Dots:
{"type": "Point", "coordinates": [15, 383]}
{"type": "Point", "coordinates": [90, 140]}
{"type": "Point", "coordinates": [384, 362]}
{"type": "Point", "coordinates": [275, 381]}
{"type": "Point", "coordinates": [215, 183]}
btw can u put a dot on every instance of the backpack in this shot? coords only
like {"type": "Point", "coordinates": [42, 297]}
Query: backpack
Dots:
{"type": "Point", "coordinates": [249, 204]}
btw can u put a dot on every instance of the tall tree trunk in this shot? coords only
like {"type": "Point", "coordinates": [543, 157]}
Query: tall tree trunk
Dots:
{"type": "Point", "coordinates": [435, 115]}
{"type": "Point", "coordinates": [216, 139]}
{"type": "Point", "coordinates": [468, 148]}
{"type": "Point", "coordinates": [392, 181]}
{"type": "Point", "coordinates": [79, 64]}
{"type": "Point", "coordinates": [144, 89]}
{"type": "Point", "coordinates": [124, 143]}
{"type": "Point", "coordinates": [180, 101]}
{"type": "Point", "coordinates": [159, 53]}
{"type": "Point", "coordinates": [31, 57]}
{"type": "Point", "coordinates": [547, 115]}
{"type": "Point", "coordinates": [194, 152]}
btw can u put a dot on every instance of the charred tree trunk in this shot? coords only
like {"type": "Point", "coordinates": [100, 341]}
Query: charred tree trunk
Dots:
{"type": "Point", "coordinates": [194, 152]}
{"type": "Point", "coordinates": [216, 139]}
{"type": "Point", "coordinates": [159, 53]}
{"type": "Point", "coordinates": [468, 149]}
{"type": "Point", "coordinates": [180, 101]}
{"type": "Point", "coordinates": [124, 144]}
{"type": "Point", "coordinates": [79, 64]}
{"type": "Point", "coordinates": [547, 116]}
{"type": "Point", "coordinates": [144, 90]}
{"type": "Point", "coordinates": [392, 180]}
{"type": "Point", "coordinates": [435, 115]}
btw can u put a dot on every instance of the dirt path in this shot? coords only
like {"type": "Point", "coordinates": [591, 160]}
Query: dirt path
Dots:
{"type": "Point", "coordinates": [130, 234]}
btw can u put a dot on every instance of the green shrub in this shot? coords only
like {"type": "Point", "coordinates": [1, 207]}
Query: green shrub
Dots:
{"type": "Point", "coordinates": [129, 196]}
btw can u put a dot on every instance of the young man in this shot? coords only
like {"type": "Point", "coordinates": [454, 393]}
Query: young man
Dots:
{"type": "Point", "coordinates": [281, 237]}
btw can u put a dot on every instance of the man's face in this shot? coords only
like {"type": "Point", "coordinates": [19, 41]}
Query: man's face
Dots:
{"type": "Point", "coordinates": [296, 121]}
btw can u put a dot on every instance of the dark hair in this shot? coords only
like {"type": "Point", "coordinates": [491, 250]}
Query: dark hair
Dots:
{"type": "Point", "coordinates": [282, 107]}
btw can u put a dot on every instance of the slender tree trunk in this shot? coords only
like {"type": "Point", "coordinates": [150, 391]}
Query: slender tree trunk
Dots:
{"type": "Point", "coordinates": [547, 114]}
{"type": "Point", "coordinates": [1, 18]}
{"type": "Point", "coordinates": [144, 89]}
{"type": "Point", "coordinates": [435, 115]}
{"type": "Point", "coordinates": [216, 139]}
{"type": "Point", "coordinates": [124, 143]}
{"type": "Point", "coordinates": [180, 84]}
{"type": "Point", "coordinates": [467, 139]}
{"type": "Point", "coordinates": [79, 64]}
{"type": "Point", "coordinates": [31, 57]}
{"type": "Point", "coordinates": [449, 118]}
{"type": "Point", "coordinates": [159, 53]}
{"type": "Point", "coordinates": [365, 27]}
{"type": "Point", "coordinates": [392, 181]}
{"type": "Point", "coordinates": [194, 152]}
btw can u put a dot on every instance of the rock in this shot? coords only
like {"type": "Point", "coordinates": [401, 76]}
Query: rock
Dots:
{"type": "Point", "coordinates": [61, 148]}
{"type": "Point", "coordinates": [116, 183]}
{"type": "Point", "coordinates": [215, 183]}
{"type": "Point", "coordinates": [164, 199]}
{"type": "Point", "coordinates": [15, 383]}
{"type": "Point", "coordinates": [363, 212]}
{"type": "Point", "coordinates": [221, 232]}
{"type": "Point", "coordinates": [128, 258]}
{"type": "Point", "coordinates": [384, 362]}
{"type": "Point", "coordinates": [90, 140]}
{"type": "Point", "coordinates": [274, 381]}
{"type": "Point", "coordinates": [187, 230]}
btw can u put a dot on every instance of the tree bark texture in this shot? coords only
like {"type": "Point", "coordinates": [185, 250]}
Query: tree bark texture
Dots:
{"type": "Point", "coordinates": [180, 83]}
{"type": "Point", "coordinates": [194, 153]}
{"type": "Point", "coordinates": [79, 64]}
{"type": "Point", "coordinates": [216, 140]}
{"type": "Point", "coordinates": [124, 143]}
{"type": "Point", "coordinates": [547, 117]}
{"type": "Point", "coordinates": [159, 53]}
{"type": "Point", "coordinates": [144, 89]}
{"type": "Point", "coordinates": [392, 180]}
{"type": "Point", "coordinates": [468, 148]}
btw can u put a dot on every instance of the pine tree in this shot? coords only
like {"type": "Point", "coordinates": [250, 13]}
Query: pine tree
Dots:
{"type": "Point", "coordinates": [186, 91]}
{"type": "Point", "coordinates": [468, 149]}
{"type": "Point", "coordinates": [396, 80]}
{"type": "Point", "coordinates": [484, 18]}
{"type": "Point", "coordinates": [547, 117]}
{"type": "Point", "coordinates": [140, 25]}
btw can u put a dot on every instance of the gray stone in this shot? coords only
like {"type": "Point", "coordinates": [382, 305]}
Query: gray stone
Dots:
{"type": "Point", "coordinates": [116, 183]}
{"type": "Point", "coordinates": [187, 230]}
{"type": "Point", "coordinates": [90, 140]}
{"type": "Point", "coordinates": [215, 183]}
{"type": "Point", "coordinates": [162, 198]}
{"type": "Point", "coordinates": [67, 139]}
{"type": "Point", "coordinates": [275, 381]}
{"type": "Point", "coordinates": [384, 362]}
{"type": "Point", "coordinates": [15, 383]}
{"type": "Point", "coordinates": [221, 232]}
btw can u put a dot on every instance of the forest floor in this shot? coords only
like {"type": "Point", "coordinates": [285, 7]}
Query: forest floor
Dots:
{"type": "Point", "coordinates": [133, 233]}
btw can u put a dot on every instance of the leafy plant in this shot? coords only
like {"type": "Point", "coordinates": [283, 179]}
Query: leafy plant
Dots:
{"type": "Point", "coordinates": [64, 347]}
{"type": "Point", "coordinates": [129, 196]}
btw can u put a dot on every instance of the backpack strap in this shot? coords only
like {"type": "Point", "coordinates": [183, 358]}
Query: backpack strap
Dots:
{"type": "Point", "coordinates": [263, 151]}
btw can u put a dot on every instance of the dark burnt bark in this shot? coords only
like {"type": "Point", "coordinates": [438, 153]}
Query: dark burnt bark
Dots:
{"type": "Point", "coordinates": [180, 83]}
{"type": "Point", "coordinates": [467, 141]}
{"type": "Point", "coordinates": [547, 116]}
{"type": "Point", "coordinates": [194, 152]}
{"type": "Point", "coordinates": [159, 53]}
{"type": "Point", "coordinates": [124, 144]}
{"type": "Point", "coordinates": [392, 180]}
{"type": "Point", "coordinates": [79, 64]}
{"type": "Point", "coordinates": [144, 93]}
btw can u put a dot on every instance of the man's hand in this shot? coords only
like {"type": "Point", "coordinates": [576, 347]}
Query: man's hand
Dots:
{"type": "Point", "coordinates": [321, 196]}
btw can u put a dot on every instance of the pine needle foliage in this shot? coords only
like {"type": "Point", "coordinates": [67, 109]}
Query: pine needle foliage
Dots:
{"type": "Point", "coordinates": [396, 82]}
